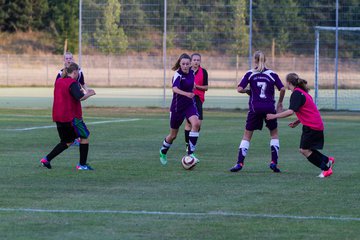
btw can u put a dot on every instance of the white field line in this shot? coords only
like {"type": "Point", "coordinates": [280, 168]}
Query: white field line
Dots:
{"type": "Point", "coordinates": [90, 123]}
{"type": "Point", "coordinates": [183, 214]}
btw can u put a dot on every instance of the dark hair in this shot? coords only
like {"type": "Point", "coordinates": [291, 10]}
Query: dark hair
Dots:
{"type": "Point", "coordinates": [177, 64]}
{"type": "Point", "coordinates": [70, 69]}
{"type": "Point", "coordinates": [296, 81]}
{"type": "Point", "coordinates": [195, 54]}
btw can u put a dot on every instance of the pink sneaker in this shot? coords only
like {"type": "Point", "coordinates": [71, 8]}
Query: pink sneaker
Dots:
{"type": "Point", "coordinates": [332, 160]}
{"type": "Point", "coordinates": [45, 163]}
{"type": "Point", "coordinates": [326, 173]}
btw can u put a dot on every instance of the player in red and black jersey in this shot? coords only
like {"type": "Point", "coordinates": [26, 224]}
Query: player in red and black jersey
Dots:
{"type": "Point", "coordinates": [312, 138]}
{"type": "Point", "coordinates": [67, 114]}
{"type": "Point", "coordinates": [200, 86]}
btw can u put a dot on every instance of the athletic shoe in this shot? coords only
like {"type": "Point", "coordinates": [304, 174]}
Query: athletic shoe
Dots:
{"type": "Point", "coordinates": [163, 158]}
{"type": "Point", "coordinates": [76, 142]}
{"type": "Point", "coordinates": [273, 166]}
{"type": "Point", "coordinates": [45, 163]}
{"type": "Point", "coordinates": [328, 172]}
{"type": "Point", "coordinates": [237, 167]}
{"type": "Point", "coordinates": [84, 167]}
{"type": "Point", "coordinates": [186, 147]}
{"type": "Point", "coordinates": [194, 156]}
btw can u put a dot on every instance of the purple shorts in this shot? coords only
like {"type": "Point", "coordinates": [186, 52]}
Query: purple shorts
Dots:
{"type": "Point", "coordinates": [177, 118]}
{"type": "Point", "coordinates": [255, 121]}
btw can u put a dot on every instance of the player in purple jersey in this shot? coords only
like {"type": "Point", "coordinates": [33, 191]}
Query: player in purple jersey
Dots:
{"type": "Point", "coordinates": [262, 83]}
{"type": "Point", "coordinates": [68, 59]}
{"type": "Point", "coordinates": [182, 106]}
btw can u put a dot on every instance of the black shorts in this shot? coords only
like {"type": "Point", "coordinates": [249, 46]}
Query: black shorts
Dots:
{"type": "Point", "coordinates": [311, 139]}
{"type": "Point", "coordinates": [199, 106]}
{"type": "Point", "coordinates": [66, 132]}
{"type": "Point", "coordinates": [69, 131]}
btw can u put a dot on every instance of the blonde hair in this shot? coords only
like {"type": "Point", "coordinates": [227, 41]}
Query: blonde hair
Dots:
{"type": "Point", "coordinates": [70, 69]}
{"type": "Point", "coordinates": [68, 53]}
{"type": "Point", "coordinates": [260, 61]}
{"type": "Point", "coordinates": [296, 81]}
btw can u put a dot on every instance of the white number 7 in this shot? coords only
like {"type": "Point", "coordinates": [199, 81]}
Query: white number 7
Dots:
{"type": "Point", "coordinates": [263, 88]}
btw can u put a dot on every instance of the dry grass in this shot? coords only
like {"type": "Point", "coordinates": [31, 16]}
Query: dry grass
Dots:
{"type": "Point", "coordinates": [38, 43]}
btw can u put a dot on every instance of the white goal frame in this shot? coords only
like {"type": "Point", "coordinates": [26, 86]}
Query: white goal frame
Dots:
{"type": "Point", "coordinates": [316, 60]}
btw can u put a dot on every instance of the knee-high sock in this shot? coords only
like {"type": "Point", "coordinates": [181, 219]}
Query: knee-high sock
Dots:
{"type": "Point", "coordinates": [165, 147]}
{"type": "Point", "coordinates": [243, 148]}
{"type": "Point", "coordinates": [324, 165]}
{"type": "Point", "coordinates": [275, 147]}
{"type": "Point", "coordinates": [315, 159]}
{"type": "Point", "coordinates": [186, 133]}
{"type": "Point", "coordinates": [193, 137]}
{"type": "Point", "coordinates": [59, 148]}
{"type": "Point", "coordinates": [84, 149]}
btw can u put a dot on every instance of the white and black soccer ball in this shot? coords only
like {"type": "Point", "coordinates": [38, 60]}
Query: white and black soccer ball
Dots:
{"type": "Point", "coordinates": [188, 162]}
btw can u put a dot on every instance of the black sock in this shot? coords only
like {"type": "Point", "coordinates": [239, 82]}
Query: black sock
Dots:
{"type": "Point", "coordinates": [315, 159]}
{"type": "Point", "coordinates": [324, 160]}
{"type": "Point", "coordinates": [56, 151]}
{"type": "Point", "coordinates": [187, 132]}
{"type": "Point", "coordinates": [84, 149]}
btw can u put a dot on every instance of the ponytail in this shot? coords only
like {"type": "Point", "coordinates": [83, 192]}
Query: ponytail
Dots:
{"type": "Point", "coordinates": [70, 69]}
{"type": "Point", "coordinates": [260, 61]}
{"type": "Point", "coordinates": [296, 81]}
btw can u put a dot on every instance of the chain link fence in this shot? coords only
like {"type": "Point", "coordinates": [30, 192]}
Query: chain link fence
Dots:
{"type": "Point", "coordinates": [130, 43]}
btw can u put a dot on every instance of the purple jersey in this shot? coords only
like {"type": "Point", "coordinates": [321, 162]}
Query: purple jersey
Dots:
{"type": "Point", "coordinates": [262, 86]}
{"type": "Point", "coordinates": [80, 78]}
{"type": "Point", "coordinates": [183, 82]}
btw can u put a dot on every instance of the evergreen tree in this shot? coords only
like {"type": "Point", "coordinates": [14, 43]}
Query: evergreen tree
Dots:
{"type": "Point", "coordinates": [108, 35]}
{"type": "Point", "coordinates": [240, 30]}
{"type": "Point", "coordinates": [22, 15]}
{"type": "Point", "coordinates": [63, 21]}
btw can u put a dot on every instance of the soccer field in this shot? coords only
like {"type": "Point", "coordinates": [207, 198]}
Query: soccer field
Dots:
{"type": "Point", "coordinates": [130, 195]}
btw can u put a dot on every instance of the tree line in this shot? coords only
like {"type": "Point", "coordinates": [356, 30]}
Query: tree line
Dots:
{"type": "Point", "coordinates": [222, 26]}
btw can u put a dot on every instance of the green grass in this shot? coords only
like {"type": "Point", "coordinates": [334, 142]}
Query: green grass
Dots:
{"type": "Point", "coordinates": [145, 200]}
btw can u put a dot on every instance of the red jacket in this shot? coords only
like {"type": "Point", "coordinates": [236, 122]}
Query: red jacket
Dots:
{"type": "Point", "coordinates": [199, 80]}
{"type": "Point", "coordinates": [308, 113]}
{"type": "Point", "coordinates": [65, 106]}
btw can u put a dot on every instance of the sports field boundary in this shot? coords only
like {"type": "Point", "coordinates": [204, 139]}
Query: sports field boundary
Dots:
{"type": "Point", "coordinates": [182, 214]}
{"type": "Point", "coordinates": [90, 123]}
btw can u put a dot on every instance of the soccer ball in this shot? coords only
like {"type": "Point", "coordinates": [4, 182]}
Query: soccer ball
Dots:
{"type": "Point", "coordinates": [188, 162]}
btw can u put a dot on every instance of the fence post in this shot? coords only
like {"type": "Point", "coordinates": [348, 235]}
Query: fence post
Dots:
{"type": "Point", "coordinates": [47, 70]}
{"type": "Point", "coordinates": [316, 65]}
{"type": "Point", "coordinates": [109, 70]}
{"type": "Point", "coordinates": [7, 69]}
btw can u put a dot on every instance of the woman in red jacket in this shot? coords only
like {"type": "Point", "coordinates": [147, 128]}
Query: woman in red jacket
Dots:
{"type": "Point", "coordinates": [312, 138]}
{"type": "Point", "coordinates": [200, 86]}
{"type": "Point", "coordinates": [67, 114]}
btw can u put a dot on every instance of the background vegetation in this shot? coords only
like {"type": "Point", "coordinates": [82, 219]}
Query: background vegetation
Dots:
{"type": "Point", "coordinates": [221, 26]}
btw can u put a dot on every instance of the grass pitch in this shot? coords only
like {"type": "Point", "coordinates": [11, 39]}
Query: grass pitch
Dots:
{"type": "Point", "coordinates": [131, 196]}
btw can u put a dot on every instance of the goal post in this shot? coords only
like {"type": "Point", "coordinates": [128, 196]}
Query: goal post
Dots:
{"type": "Point", "coordinates": [319, 29]}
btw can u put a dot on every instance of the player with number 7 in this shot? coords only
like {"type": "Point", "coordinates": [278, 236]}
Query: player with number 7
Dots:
{"type": "Point", "coordinates": [262, 82]}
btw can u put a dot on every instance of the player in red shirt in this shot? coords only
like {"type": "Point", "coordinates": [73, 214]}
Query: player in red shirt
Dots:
{"type": "Point", "coordinates": [312, 138]}
{"type": "Point", "coordinates": [200, 86]}
{"type": "Point", "coordinates": [67, 114]}
{"type": "Point", "coordinates": [68, 59]}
